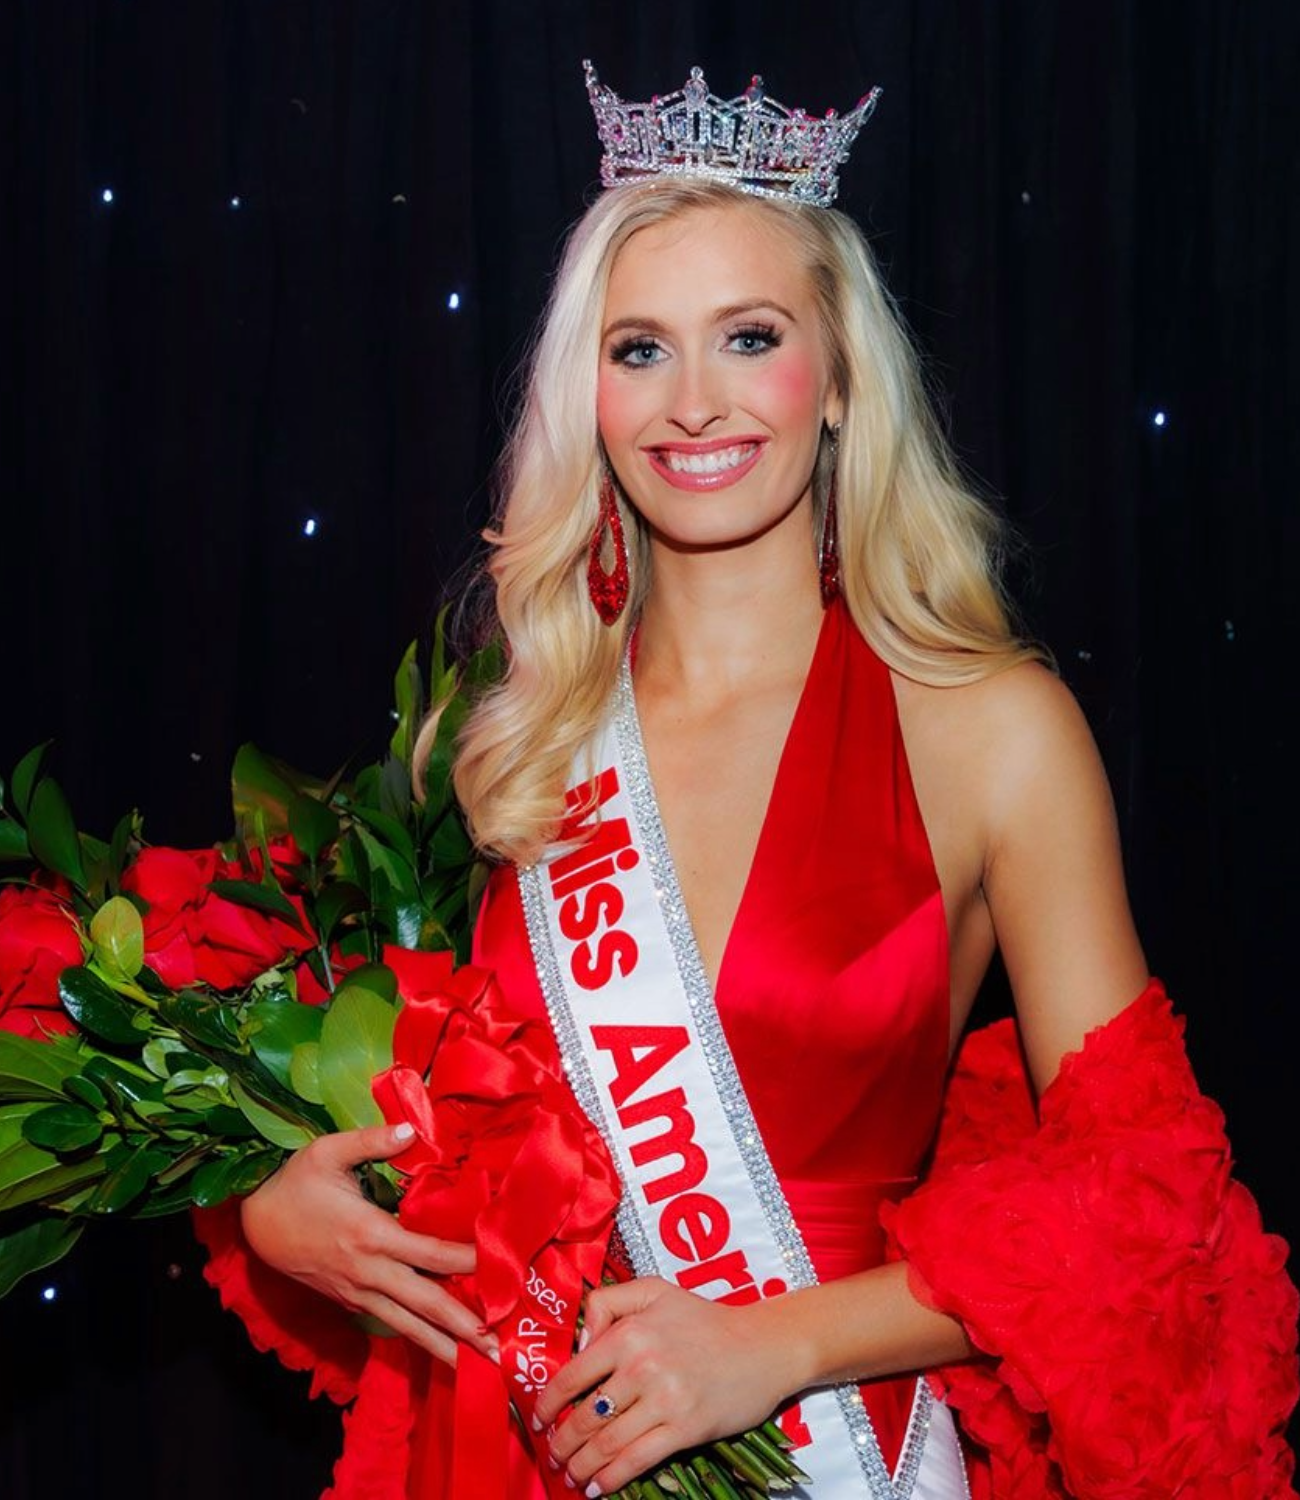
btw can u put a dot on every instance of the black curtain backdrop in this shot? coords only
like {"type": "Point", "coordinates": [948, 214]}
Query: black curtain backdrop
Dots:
{"type": "Point", "coordinates": [331, 227]}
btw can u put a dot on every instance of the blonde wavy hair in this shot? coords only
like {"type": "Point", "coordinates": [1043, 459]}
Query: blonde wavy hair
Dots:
{"type": "Point", "coordinates": [919, 553]}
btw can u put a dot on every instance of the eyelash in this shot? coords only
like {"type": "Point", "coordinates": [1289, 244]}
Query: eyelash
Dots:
{"type": "Point", "coordinates": [765, 333]}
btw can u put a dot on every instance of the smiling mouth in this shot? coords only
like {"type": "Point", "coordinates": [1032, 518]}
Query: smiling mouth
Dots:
{"type": "Point", "coordinates": [716, 462]}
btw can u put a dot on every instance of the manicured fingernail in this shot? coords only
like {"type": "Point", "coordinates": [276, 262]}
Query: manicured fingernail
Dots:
{"type": "Point", "coordinates": [593, 1491]}
{"type": "Point", "coordinates": [553, 1461]}
{"type": "Point", "coordinates": [537, 1423]}
{"type": "Point", "coordinates": [570, 1482]}
{"type": "Point", "coordinates": [584, 1338]}
{"type": "Point", "coordinates": [404, 1131]}
{"type": "Point", "coordinates": [494, 1354]}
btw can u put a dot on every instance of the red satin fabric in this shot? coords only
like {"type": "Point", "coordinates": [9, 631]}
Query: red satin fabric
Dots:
{"type": "Point", "coordinates": [834, 984]}
{"type": "Point", "coordinates": [502, 1160]}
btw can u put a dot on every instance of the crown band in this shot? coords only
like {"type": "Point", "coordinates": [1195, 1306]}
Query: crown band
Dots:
{"type": "Point", "coordinates": [751, 142]}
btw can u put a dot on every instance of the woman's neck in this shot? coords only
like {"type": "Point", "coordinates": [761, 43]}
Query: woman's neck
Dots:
{"type": "Point", "coordinates": [713, 623]}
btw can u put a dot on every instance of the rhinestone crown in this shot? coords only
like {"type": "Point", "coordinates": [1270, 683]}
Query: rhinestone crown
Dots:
{"type": "Point", "coordinates": [751, 142]}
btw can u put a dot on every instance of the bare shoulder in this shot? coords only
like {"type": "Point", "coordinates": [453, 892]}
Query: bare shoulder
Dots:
{"type": "Point", "coordinates": [996, 740]}
{"type": "Point", "coordinates": [1008, 771]}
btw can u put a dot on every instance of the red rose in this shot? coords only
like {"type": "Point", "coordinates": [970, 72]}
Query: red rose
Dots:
{"type": "Point", "coordinates": [192, 935]}
{"type": "Point", "coordinates": [38, 940]}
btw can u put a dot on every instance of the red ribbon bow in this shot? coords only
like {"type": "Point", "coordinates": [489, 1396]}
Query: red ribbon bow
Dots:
{"type": "Point", "coordinates": [503, 1158]}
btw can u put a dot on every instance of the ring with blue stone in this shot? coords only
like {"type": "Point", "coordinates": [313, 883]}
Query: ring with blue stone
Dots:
{"type": "Point", "coordinates": [604, 1406]}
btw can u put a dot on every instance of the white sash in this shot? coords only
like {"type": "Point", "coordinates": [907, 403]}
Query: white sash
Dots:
{"type": "Point", "coordinates": [644, 1049]}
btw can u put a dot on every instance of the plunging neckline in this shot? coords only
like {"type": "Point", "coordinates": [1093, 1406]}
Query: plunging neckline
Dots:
{"type": "Point", "coordinates": [774, 801]}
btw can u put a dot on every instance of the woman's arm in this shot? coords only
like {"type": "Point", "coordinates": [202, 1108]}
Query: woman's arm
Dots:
{"type": "Point", "coordinates": [1053, 878]}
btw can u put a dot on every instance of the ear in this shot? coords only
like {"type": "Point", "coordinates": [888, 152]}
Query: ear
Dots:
{"type": "Point", "coordinates": [833, 409]}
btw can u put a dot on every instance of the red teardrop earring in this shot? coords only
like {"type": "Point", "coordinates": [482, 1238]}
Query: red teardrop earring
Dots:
{"type": "Point", "coordinates": [828, 553]}
{"type": "Point", "coordinates": [608, 590]}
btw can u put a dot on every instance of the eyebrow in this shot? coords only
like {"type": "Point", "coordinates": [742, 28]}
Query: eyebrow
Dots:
{"type": "Point", "coordinates": [722, 315]}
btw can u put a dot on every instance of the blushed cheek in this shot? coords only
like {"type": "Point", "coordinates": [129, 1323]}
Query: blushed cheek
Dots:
{"type": "Point", "coordinates": [615, 411]}
{"type": "Point", "coordinates": [794, 385]}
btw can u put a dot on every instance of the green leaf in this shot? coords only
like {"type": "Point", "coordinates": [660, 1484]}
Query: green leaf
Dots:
{"type": "Point", "coordinates": [85, 1091]}
{"type": "Point", "coordinates": [52, 833]}
{"type": "Point", "coordinates": [408, 695]}
{"type": "Point", "coordinates": [484, 667]}
{"type": "Point", "coordinates": [313, 825]}
{"type": "Point", "coordinates": [379, 979]}
{"type": "Point", "coordinates": [205, 1021]}
{"type": "Point", "coordinates": [395, 835]}
{"type": "Point", "coordinates": [123, 1085]}
{"type": "Point", "coordinates": [267, 898]}
{"type": "Point", "coordinates": [13, 1119]}
{"type": "Point", "coordinates": [409, 924]}
{"type": "Point", "coordinates": [396, 797]}
{"type": "Point", "coordinates": [181, 1060]}
{"type": "Point", "coordinates": [185, 1162]}
{"type": "Point", "coordinates": [229, 1176]}
{"type": "Point", "coordinates": [226, 1120]}
{"type": "Point", "coordinates": [450, 845]}
{"type": "Point", "coordinates": [37, 1244]}
{"type": "Point", "coordinates": [96, 1008]}
{"type": "Point", "coordinates": [276, 1027]}
{"type": "Point", "coordinates": [157, 1052]}
{"type": "Point", "coordinates": [127, 1178]}
{"type": "Point", "coordinates": [356, 1043]}
{"type": "Point", "coordinates": [339, 899]}
{"type": "Point", "coordinates": [30, 1174]}
{"type": "Point", "coordinates": [120, 846]}
{"type": "Point", "coordinates": [258, 785]}
{"type": "Point", "coordinates": [175, 1198]}
{"type": "Point", "coordinates": [118, 935]}
{"type": "Point", "coordinates": [276, 1125]}
{"type": "Point", "coordinates": [26, 773]}
{"type": "Point", "coordinates": [35, 1070]}
{"type": "Point", "coordinates": [65, 1128]}
{"type": "Point", "coordinates": [13, 840]}
{"type": "Point", "coordinates": [304, 1072]}
{"type": "Point", "coordinates": [387, 871]}
{"type": "Point", "coordinates": [209, 1077]}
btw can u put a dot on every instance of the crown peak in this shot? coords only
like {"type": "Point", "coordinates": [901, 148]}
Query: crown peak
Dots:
{"type": "Point", "coordinates": [751, 142]}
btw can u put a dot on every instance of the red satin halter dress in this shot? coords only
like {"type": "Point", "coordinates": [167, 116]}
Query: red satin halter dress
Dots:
{"type": "Point", "coordinates": [833, 989]}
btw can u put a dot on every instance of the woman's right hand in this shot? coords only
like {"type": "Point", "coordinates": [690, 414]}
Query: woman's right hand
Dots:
{"type": "Point", "coordinates": [312, 1221]}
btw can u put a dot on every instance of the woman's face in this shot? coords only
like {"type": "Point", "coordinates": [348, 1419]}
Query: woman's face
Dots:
{"type": "Point", "coordinates": [714, 384]}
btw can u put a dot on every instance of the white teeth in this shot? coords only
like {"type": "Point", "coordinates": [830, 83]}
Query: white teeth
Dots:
{"type": "Point", "coordinates": [707, 463]}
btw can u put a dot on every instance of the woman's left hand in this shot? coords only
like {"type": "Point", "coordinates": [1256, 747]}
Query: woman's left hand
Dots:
{"type": "Point", "coordinates": [679, 1370]}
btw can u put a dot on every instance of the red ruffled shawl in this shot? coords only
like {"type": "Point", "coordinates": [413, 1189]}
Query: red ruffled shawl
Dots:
{"type": "Point", "coordinates": [1140, 1323]}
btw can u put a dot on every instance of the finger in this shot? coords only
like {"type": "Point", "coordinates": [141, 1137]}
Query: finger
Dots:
{"type": "Point", "coordinates": [401, 1320]}
{"type": "Point", "coordinates": [349, 1148]}
{"type": "Point", "coordinates": [605, 1305]}
{"type": "Point", "coordinates": [426, 1251]}
{"type": "Point", "coordinates": [433, 1304]}
{"type": "Point", "coordinates": [583, 1373]}
{"type": "Point", "coordinates": [641, 1456]}
{"type": "Point", "coordinates": [597, 1428]}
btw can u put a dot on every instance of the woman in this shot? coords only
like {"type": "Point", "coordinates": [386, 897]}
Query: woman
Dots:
{"type": "Point", "coordinates": [834, 780]}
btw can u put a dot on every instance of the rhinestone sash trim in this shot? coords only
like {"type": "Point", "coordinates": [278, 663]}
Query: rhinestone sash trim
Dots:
{"type": "Point", "coordinates": [749, 1145]}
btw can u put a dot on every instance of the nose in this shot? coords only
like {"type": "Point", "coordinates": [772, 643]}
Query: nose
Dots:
{"type": "Point", "coordinates": [698, 397]}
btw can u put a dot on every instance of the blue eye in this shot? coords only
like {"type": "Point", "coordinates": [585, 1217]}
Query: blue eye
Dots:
{"type": "Point", "coordinates": [637, 353]}
{"type": "Point", "coordinates": [757, 338]}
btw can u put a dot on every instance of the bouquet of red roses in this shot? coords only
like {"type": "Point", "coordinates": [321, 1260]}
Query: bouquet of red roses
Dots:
{"type": "Point", "coordinates": [174, 1022]}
